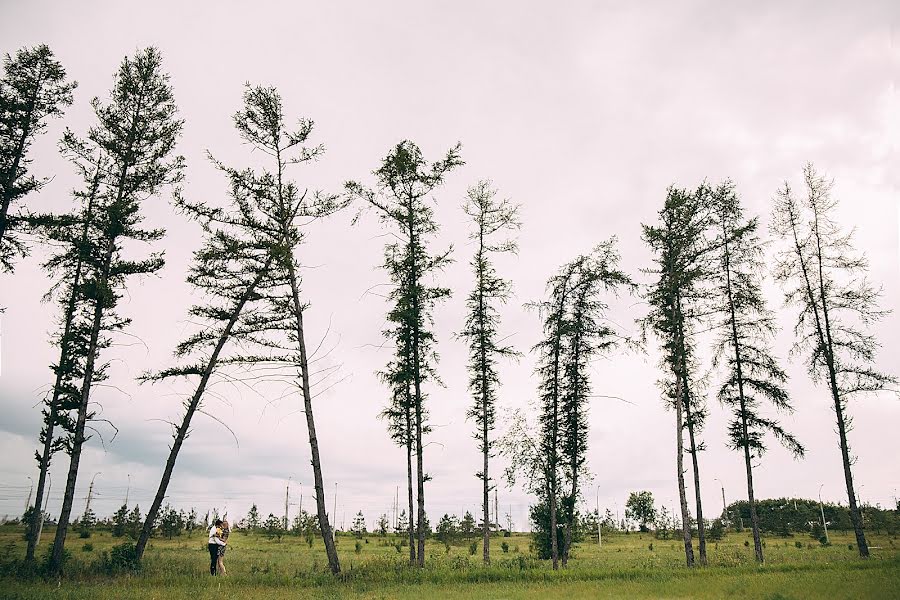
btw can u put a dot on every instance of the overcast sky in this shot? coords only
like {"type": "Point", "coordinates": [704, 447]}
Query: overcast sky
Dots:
{"type": "Point", "coordinates": [581, 112]}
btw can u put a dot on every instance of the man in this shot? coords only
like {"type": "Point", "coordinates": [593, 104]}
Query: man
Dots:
{"type": "Point", "coordinates": [215, 541]}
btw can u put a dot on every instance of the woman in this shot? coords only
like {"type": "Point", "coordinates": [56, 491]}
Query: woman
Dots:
{"type": "Point", "coordinates": [215, 542]}
{"type": "Point", "coordinates": [223, 535]}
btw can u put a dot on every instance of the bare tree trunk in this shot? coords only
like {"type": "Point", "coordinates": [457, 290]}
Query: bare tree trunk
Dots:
{"type": "Point", "coordinates": [754, 516]}
{"type": "Point", "coordinates": [333, 561]}
{"type": "Point", "coordinates": [191, 408]}
{"type": "Point", "coordinates": [701, 527]}
{"type": "Point", "coordinates": [486, 525]}
{"type": "Point", "coordinates": [682, 495]}
{"type": "Point", "coordinates": [409, 486]}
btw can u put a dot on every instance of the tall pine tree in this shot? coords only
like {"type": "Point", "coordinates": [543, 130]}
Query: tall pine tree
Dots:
{"type": "Point", "coordinates": [752, 375]}
{"type": "Point", "coordinates": [825, 279]}
{"type": "Point", "coordinates": [404, 182]}
{"type": "Point", "coordinates": [490, 218]}
{"type": "Point", "coordinates": [137, 132]}
{"type": "Point", "coordinates": [678, 299]}
{"type": "Point", "coordinates": [72, 234]}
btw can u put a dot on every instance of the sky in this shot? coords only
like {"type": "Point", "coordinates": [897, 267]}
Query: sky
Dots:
{"type": "Point", "coordinates": [583, 113]}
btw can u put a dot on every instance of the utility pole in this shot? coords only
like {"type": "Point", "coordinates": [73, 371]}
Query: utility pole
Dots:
{"type": "Point", "coordinates": [496, 515]}
{"type": "Point", "coordinates": [127, 489]}
{"type": "Point", "coordinates": [287, 495]}
{"type": "Point", "coordinates": [43, 512]}
{"type": "Point", "coordinates": [87, 506]}
{"type": "Point", "coordinates": [599, 535]}
{"type": "Point", "coordinates": [822, 509]}
{"type": "Point", "coordinates": [724, 505]}
{"type": "Point", "coordinates": [334, 510]}
{"type": "Point", "coordinates": [301, 498]}
{"type": "Point", "coordinates": [28, 502]}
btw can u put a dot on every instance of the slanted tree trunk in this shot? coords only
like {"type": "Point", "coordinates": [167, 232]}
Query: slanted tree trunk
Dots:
{"type": "Point", "coordinates": [64, 358]}
{"type": "Point", "coordinates": [182, 432]}
{"type": "Point", "coordinates": [62, 525]}
{"type": "Point", "coordinates": [330, 550]}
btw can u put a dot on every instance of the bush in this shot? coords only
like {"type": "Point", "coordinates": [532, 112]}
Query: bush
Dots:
{"type": "Point", "coordinates": [89, 547]}
{"type": "Point", "coordinates": [505, 547]}
{"type": "Point", "coordinates": [120, 559]}
{"type": "Point", "coordinates": [473, 548]}
{"type": "Point", "coordinates": [357, 547]}
{"type": "Point", "coordinates": [798, 544]}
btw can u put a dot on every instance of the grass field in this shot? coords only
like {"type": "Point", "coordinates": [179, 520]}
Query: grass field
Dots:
{"type": "Point", "coordinates": [625, 567]}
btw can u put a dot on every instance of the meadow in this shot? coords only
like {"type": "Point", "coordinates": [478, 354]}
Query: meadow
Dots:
{"type": "Point", "coordinates": [631, 565]}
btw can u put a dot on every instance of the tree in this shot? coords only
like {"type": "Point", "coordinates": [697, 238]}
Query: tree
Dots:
{"type": "Point", "coordinates": [171, 523]}
{"type": "Point", "coordinates": [640, 508]}
{"type": "Point", "coordinates": [134, 522]}
{"type": "Point", "coordinates": [467, 526]}
{"type": "Point", "coordinates": [273, 527]}
{"type": "Point", "coordinates": [402, 523]}
{"type": "Point", "coordinates": [575, 332]}
{"type": "Point", "coordinates": [678, 301]}
{"type": "Point", "coordinates": [746, 329]}
{"type": "Point", "coordinates": [247, 271]}
{"type": "Point", "coordinates": [404, 182]}
{"type": "Point", "coordinates": [382, 525]}
{"type": "Point", "coordinates": [261, 123]}
{"type": "Point", "coordinates": [72, 234]}
{"type": "Point", "coordinates": [490, 218]}
{"type": "Point", "coordinates": [540, 455]}
{"type": "Point", "coordinates": [589, 334]}
{"type": "Point", "coordinates": [825, 279]}
{"type": "Point", "coordinates": [120, 521]}
{"type": "Point", "coordinates": [252, 520]}
{"type": "Point", "coordinates": [137, 132]}
{"type": "Point", "coordinates": [33, 90]}
{"type": "Point", "coordinates": [447, 529]}
{"type": "Point", "coordinates": [359, 525]}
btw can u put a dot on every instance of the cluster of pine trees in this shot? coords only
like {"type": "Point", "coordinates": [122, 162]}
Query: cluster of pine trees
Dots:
{"type": "Point", "coordinates": [707, 276]}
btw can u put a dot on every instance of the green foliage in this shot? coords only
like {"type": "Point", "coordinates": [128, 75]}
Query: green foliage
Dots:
{"type": "Point", "coordinates": [252, 521]}
{"type": "Point", "coordinates": [33, 90]}
{"type": "Point", "coordinates": [540, 531]}
{"type": "Point", "coordinates": [359, 525]}
{"type": "Point", "coordinates": [120, 559]}
{"type": "Point", "coordinates": [273, 527]}
{"type": "Point", "coordinates": [716, 530]}
{"type": "Point", "coordinates": [120, 521]}
{"type": "Point", "coordinates": [640, 509]}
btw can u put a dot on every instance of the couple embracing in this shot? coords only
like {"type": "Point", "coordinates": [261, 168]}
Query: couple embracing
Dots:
{"type": "Point", "coordinates": [218, 539]}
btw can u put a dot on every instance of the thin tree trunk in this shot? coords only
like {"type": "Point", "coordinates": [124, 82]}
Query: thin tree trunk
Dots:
{"type": "Point", "coordinates": [735, 340]}
{"type": "Point", "coordinates": [333, 561]}
{"type": "Point", "coordinates": [682, 495]}
{"type": "Point", "coordinates": [485, 383]}
{"type": "Point", "coordinates": [183, 429]}
{"type": "Point", "coordinates": [701, 528]}
{"type": "Point", "coordinates": [409, 484]}
{"type": "Point", "coordinates": [828, 343]}
{"type": "Point", "coordinates": [56, 557]}
{"type": "Point", "coordinates": [417, 388]}
{"type": "Point", "coordinates": [754, 516]}
{"type": "Point", "coordinates": [37, 517]}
